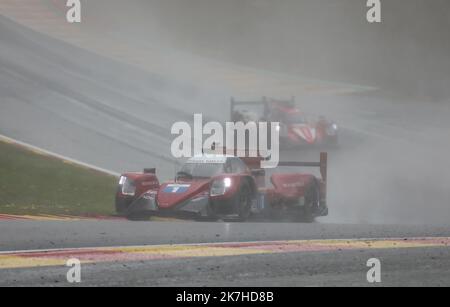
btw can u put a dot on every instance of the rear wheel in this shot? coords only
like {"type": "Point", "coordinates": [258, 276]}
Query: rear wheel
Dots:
{"type": "Point", "coordinates": [244, 204]}
{"type": "Point", "coordinates": [334, 142]}
{"type": "Point", "coordinates": [312, 203]}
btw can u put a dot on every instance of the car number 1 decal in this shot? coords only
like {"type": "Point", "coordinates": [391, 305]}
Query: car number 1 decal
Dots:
{"type": "Point", "coordinates": [176, 188]}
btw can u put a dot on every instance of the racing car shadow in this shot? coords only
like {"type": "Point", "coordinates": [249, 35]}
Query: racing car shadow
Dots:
{"type": "Point", "coordinates": [185, 218]}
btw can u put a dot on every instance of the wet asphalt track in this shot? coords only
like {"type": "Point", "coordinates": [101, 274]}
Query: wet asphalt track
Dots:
{"type": "Point", "coordinates": [61, 104]}
{"type": "Point", "coordinates": [417, 267]}
{"type": "Point", "coordinates": [24, 235]}
{"type": "Point", "coordinates": [429, 266]}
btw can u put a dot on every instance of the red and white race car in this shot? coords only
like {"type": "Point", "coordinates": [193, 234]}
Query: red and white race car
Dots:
{"type": "Point", "coordinates": [295, 128]}
{"type": "Point", "coordinates": [227, 187]}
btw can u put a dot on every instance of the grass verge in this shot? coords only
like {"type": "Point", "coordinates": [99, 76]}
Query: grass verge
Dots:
{"type": "Point", "coordinates": [32, 183]}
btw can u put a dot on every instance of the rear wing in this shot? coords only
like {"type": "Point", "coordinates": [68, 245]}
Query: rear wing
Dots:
{"type": "Point", "coordinates": [265, 101]}
{"type": "Point", "coordinates": [254, 163]}
{"type": "Point", "coordinates": [253, 160]}
{"type": "Point", "coordinates": [322, 164]}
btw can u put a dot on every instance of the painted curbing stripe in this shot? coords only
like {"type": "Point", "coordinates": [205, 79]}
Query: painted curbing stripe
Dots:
{"type": "Point", "coordinates": [56, 257]}
{"type": "Point", "coordinates": [64, 217]}
{"type": "Point", "coordinates": [46, 217]}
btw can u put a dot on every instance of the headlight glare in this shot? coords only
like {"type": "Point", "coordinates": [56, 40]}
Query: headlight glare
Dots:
{"type": "Point", "coordinates": [128, 186]}
{"type": "Point", "coordinates": [227, 182]}
{"type": "Point", "coordinates": [220, 186]}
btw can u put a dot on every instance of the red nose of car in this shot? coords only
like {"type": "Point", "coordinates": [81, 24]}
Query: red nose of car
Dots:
{"type": "Point", "coordinates": [305, 132]}
{"type": "Point", "coordinates": [173, 194]}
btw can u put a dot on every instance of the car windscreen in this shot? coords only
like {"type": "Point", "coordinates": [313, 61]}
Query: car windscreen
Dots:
{"type": "Point", "coordinates": [250, 112]}
{"type": "Point", "coordinates": [202, 170]}
{"type": "Point", "coordinates": [295, 118]}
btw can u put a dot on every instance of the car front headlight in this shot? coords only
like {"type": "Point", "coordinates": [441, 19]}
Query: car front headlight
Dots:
{"type": "Point", "coordinates": [332, 129]}
{"type": "Point", "coordinates": [128, 186]}
{"type": "Point", "coordinates": [220, 186]}
{"type": "Point", "coordinates": [282, 129]}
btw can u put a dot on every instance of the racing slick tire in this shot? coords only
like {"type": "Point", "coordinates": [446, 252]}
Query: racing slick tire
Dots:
{"type": "Point", "coordinates": [244, 202]}
{"type": "Point", "coordinates": [333, 143]}
{"type": "Point", "coordinates": [210, 216]}
{"type": "Point", "coordinates": [312, 204]}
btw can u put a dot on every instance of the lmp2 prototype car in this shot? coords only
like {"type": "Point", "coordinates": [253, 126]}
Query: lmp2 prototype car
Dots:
{"type": "Point", "coordinates": [226, 187]}
{"type": "Point", "coordinates": [294, 127]}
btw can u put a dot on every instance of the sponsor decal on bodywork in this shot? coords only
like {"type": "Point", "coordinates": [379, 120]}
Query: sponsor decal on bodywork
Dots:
{"type": "Point", "coordinates": [177, 188]}
{"type": "Point", "coordinates": [305, 132]}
